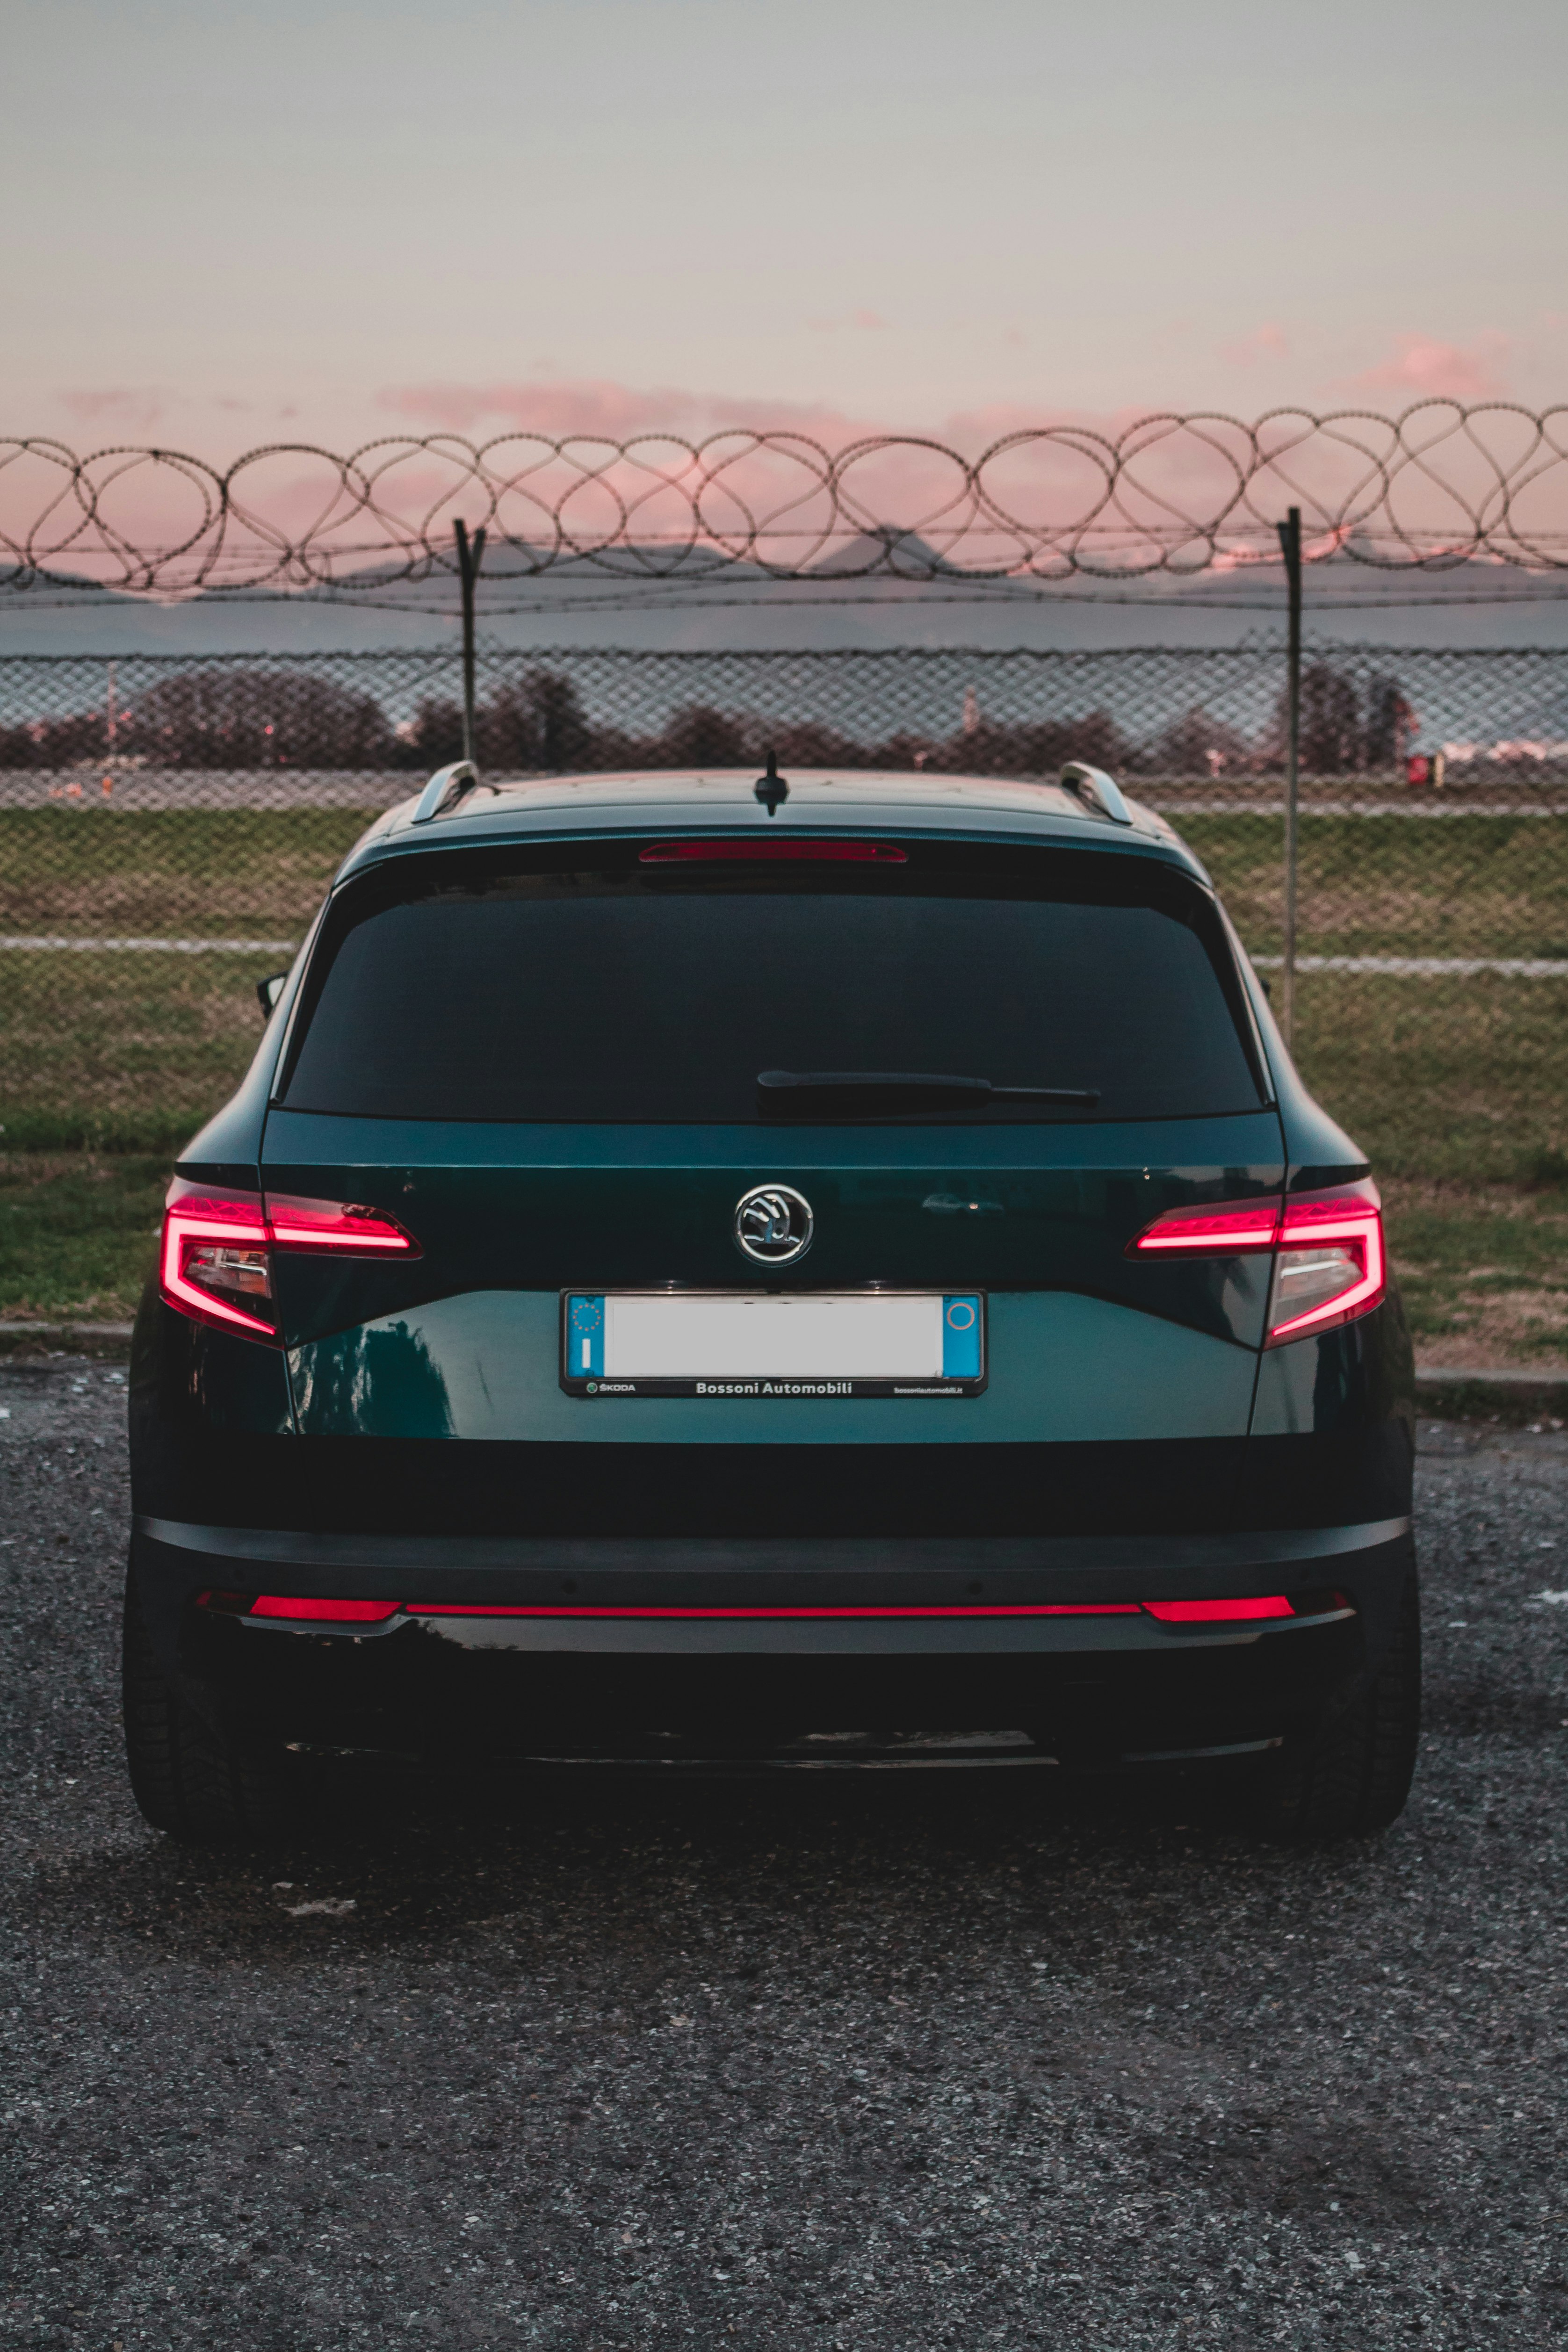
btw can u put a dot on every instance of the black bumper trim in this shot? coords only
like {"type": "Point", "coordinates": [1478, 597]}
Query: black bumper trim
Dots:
{"type": "Point", "coordinates": [1163, 1557]}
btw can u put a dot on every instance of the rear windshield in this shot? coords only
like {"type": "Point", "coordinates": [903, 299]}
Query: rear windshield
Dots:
{"type": "Point", "coordinates": [532, 984]}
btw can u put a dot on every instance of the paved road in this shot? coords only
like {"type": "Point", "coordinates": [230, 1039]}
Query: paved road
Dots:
{"type": "Point", "coordinates": [887, 2065]}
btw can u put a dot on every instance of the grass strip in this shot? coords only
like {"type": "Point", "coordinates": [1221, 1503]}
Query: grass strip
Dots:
{"type": "Point", "coordinates": [1493, 886]}
{"type": "Point", "coordinates": [78, 1232]}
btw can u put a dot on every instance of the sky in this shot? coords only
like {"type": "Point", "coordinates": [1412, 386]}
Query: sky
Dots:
{"type": "Point", "coordinates": [308, 220]}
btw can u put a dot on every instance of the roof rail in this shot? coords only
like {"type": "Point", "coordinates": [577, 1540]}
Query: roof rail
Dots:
{"type": "Point", "coordinates": [1096, 791]}
{"type": "Point", "coordinates": [445, 788]}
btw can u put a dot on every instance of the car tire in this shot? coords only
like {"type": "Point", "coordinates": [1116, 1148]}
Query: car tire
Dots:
{"type": "Point", "coordinates": [185, 1780]}
{"type": "Point", "coordinates": [1355, 1778]}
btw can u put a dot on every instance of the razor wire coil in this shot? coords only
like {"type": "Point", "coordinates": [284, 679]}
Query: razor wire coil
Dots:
{"type": "Point", "coordinates": [1179, 494]}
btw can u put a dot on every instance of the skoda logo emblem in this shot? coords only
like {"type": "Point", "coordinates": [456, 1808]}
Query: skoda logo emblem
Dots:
{"type": "Point", "coordinates": [773, 1224]}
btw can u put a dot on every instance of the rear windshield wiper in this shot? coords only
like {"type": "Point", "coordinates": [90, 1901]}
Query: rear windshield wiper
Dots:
{"type": "Point", "coordinates": [890, 1090]}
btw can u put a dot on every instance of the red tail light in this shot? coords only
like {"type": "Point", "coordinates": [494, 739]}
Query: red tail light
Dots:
{"type": "Point", "coordinates": [1330, 1263]}
{"type": "Point", "coordinates": [729, 853]}
{"type": "Point", "coordinates": [1224, 1230]}
{"type": "Point", "coordinates": [336, 1225]}
{"type": "Point", "coordinates": [216, 1257]}
{"type": "Point", "coordinates": [215, 1266]}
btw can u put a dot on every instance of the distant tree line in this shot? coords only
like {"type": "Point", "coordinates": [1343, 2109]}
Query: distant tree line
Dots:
{"type": "Point", "coordinates": [535, 723]}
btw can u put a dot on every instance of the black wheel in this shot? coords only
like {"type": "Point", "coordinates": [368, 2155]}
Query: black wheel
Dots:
{"type": "Point", "coordinates": [183, 1777]}
{"type": "Point", "coordinates": [1356, 1780]}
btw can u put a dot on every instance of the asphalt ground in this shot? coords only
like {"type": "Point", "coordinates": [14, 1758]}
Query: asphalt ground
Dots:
{"type": "Point", "coordinates": [887, 2063]}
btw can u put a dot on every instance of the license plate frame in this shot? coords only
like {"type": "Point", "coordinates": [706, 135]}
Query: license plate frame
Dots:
{"type": "Point", "coordinates": [593, 1354]}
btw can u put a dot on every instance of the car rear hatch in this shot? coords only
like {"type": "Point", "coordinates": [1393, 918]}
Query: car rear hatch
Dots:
{"type": "Point", "coordinates": [540, 1062]}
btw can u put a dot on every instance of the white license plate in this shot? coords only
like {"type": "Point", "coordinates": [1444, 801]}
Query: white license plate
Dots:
{"type": "Point", "coordinates": [744, 1343]}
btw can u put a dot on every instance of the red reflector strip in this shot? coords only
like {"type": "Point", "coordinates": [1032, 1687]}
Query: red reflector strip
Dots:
{"type": "Point", "coordinates": [1209, 1612]}
{"type": "Point", "coordinates": [708, 853]}
{"type": "Point", "coordinates": [1048, 1609]}
{"type": "Point", "coordinates": [305, 1609]}
{"type": "Point", "coordinates": [326, 1612]}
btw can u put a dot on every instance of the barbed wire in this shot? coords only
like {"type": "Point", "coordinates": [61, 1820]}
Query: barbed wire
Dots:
{"type": "Point", "coordinates": [1182, 495]}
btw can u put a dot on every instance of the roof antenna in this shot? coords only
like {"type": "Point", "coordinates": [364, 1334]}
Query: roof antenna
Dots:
{"type": "Point", "coordinates": [771, 787]}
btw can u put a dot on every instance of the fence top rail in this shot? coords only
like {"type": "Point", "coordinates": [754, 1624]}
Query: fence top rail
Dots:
{"type": "Point", "coordinates": [1257, 650]}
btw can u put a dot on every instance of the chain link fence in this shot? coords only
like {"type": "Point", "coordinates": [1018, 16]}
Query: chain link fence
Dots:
{"type": "Point", "coordinates": [167, 826]}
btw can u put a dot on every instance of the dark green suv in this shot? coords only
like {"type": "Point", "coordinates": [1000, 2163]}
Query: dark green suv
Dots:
{"type": "Point", "coordinates": [832, 1268]}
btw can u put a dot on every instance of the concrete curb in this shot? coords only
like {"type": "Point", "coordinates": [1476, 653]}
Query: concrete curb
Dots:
{"type": "Point", "coordinates": [1515, 1394]}
{"type": "Point", "coordinates": [109, 1339]}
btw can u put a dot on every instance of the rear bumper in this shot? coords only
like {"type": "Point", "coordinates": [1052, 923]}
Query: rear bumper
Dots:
{"type": "Point", "coordinates": [606, 1651]}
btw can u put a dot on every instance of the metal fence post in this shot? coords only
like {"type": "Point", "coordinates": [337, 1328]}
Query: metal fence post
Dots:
{"type": "Point", "coordinates": [470, 555]}
{"type": "Point", "coordinates": [1290, 547]}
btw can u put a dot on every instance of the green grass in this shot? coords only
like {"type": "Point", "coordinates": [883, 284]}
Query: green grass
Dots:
{"type": "Point", "coordinates": [1484, 886]}
{"type": "Point", "coordinates": [1483, 1274]}
{"type": "Point", "coordinates": [76, 1233]}
{"type": "Point", "coordinates": [121, 1051]}
{"type": "Point", "coordinates": [1378, 885]}
{"type": "Point", "coordinates": [160, 873]}
{"type": "Point", "coordinates": [1458, 1081]}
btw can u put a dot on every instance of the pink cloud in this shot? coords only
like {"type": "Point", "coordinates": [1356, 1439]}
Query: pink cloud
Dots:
{"type": "Point", "coordinates": [581, 405]}
{"type": "Point", "coordinates": [1268, 342]}
{"type": "Point", "coordinates": [134, 409]}
{"type": "Point", "coordinates": [1426, 368]}
{"type": "Point", "coordinates": [596, 405]}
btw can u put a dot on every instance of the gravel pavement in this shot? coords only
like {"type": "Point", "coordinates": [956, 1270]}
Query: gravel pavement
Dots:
{"type": "Point", "coordinates": [887, 2063]}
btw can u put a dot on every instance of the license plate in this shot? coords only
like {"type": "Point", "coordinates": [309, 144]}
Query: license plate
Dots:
{"type": "Point", "coordinates": [745, 1343]}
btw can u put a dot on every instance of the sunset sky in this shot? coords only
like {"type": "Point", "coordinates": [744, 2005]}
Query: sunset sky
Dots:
{"type": "Point", "coordinates": [314, 220]}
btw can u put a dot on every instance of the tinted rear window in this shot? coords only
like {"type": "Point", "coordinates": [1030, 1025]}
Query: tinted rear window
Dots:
{"type": "Point", "coordinates": [523, 985]}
